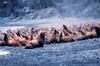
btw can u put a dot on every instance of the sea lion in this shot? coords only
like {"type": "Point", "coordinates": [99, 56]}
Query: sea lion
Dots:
{"type": "Point", "coordinates": [97, 29]}
{"type": "Point", "coordinates": [52, 36]}
{"type": "Point", "coordinates": [66, 28]}
{"type": "Point", "coordinates": [37, 41]}
{"type": "Point", "coordinates": [19, 38]}
{"type": "Point", "coordinates": [64, 38]}
{"type": "Point", "coordinates": [90, 34]}
{"type": "Point", "coordinates": [1, 42]}
{"type": "Point", "coordinates": [9, 41]}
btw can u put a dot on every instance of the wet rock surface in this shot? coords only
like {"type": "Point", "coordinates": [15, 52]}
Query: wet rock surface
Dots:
{"type": "Point", "coordinates": [79, 53]}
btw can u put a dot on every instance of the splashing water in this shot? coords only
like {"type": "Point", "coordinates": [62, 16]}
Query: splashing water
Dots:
{"type": "Point", "coordinates": [3, 52]}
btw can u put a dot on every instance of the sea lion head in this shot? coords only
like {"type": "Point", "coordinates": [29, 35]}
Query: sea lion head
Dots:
{"type": "Point", "coordinates": [97, 30]}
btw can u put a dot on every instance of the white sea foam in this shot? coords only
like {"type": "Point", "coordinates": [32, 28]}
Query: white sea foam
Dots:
{"type": "Point", "coordinates": [5, 28]}
{"type": "Point", "coordinates": [4, 52]}
{"type": "Point", "coordinates": [54, 21]}
{"type": "Point", "coordinates": [46, 22]}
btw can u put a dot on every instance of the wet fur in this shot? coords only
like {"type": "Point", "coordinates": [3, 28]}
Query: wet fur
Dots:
{"type": "Point", "coordinates": [33, 38]}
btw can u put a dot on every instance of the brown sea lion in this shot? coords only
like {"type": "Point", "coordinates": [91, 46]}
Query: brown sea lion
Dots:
{"type": "Point", "coordinates": [66, 28]}
{"type": "Point", "coordinates": [37, 41]}
{"type": "Point", "coordinates": [9, 41]}
{"type": "Point", "coordinates": [18, 38]}
{"type": "Point", "coordinates": [72, 34]}
{"type": "Point", "coordinates": [64, 38]}
{"type": "Point", "coordinates": [97, 29]}
{"type": "Point", "coordinates": [52, 36]}
{"type": "Point", "coordinates": [1, 42]}
{"type": "Point", "coordinates": [88, 34]}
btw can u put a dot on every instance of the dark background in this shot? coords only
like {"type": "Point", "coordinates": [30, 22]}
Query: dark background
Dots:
{"type": "Point", "coordinates": [63, 8]}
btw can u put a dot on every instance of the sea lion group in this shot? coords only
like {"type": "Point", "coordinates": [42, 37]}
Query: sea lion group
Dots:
{"type": "Point", "coordinates": [37, 37]}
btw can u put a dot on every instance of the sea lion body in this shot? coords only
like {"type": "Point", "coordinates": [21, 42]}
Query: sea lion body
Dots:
{"type": "Point", "coordinates": [52, 36]}
{"type": "Point", "coordinates": [67, 39]}
{"type": "Point", "coordinates": [38, 41]}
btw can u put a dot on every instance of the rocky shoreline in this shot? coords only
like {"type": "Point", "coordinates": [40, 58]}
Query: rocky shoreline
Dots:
{"type": "Point", "coordinates": [37, 37]}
